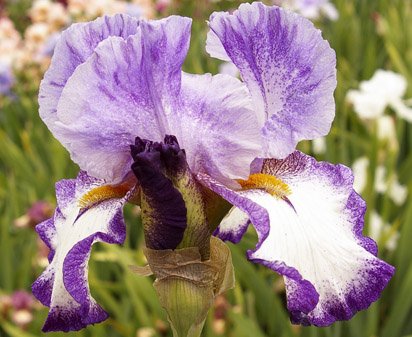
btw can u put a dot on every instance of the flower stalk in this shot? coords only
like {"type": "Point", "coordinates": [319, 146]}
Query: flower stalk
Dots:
{"type": "Point", "coordinates": [187, 286]}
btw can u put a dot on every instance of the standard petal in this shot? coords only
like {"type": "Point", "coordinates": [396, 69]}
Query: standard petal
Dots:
{"type": "Point", "coordinates": [74, 47]}
{"type": "Point", "coordinates": [63, 286]}
{"type": "Point", "coordinates": [216, 126]}
{"type": "Point", "coordinates": [314, 238]}
{"type": "Point", "coordinates": [126, 88]}
{"type": "Point", "coordinates": [288, 68]}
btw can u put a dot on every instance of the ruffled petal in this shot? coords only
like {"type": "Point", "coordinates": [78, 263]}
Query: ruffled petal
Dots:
{"type": "Point", "coordinates": [216, 126]}
{"type": "Point", "coordinates": [63, 286]}
{"type": "Point", "coordinates": [288, 68]}
{"type": "Point", "coordinates": [233, 226]}
{"type": "Point", "coordinates": [74, 47]}
{"type": "Point", "coordinates": [313, 237]}
{"type": "Point", "coordinates": [126, 88]}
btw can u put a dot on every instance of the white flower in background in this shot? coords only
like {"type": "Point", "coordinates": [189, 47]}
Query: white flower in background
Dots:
{"type": "Point", "coordinates": [90, 9]}
{"type": "Point", "coordinates": [360, 173]}
{"type": "Point", "coordinates": [311, 9]}
{"type": "Point", "coordinates": [380, 183]}
{"type": "Point", "coordinates": [36, 34]}
{"type": "Point", "coordinates": [378, 229]}
{"type": "Point", "coordinates": [386, 131]}
{"type": "Point", "coordinates": [147, 7]}
{"type": "Point", "coordinates": [52, 13]}
{"type": "Point", "coordinates": [398, 192]}
{"type": "Point", "coordinates": [383, 183]}
{"type": "Point", "coordinates": [390, 185]}
{"type": "Point", "coordinates": [10, 41]}
{"type": "Point", "coordinates": [384, 89]}
{"type": "Point", "coordinates": [58, 17]}
{"type": "Point", "coordinates": [35, 37]}
{"type": "Point", "coordinates": [319, 145]}
{"type": "Point", "coordinates": [40, 10]}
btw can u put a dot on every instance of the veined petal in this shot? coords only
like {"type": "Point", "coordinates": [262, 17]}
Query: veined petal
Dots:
{"type": "Point", "coordinates": [288, 68]}
{"type": "Point", "coordinates": [126, 88]}
{"type": "Point", "coordinates": [314, 239]}
{"type": "Point", "coordinates": [216, 126]}
{"type": "Point", "coordinates": [63, 286]}
{"type": "Point", "coordinates": [74, 47]}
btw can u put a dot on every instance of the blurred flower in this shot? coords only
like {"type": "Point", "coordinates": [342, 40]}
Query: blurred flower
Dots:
{"type": "Point", "coordinates": [9, 41]}
{"type": "Point", "coordinates": [90, 9]}
{"type": "Point", "coordinates": [22, 299]}
{"type": "Point", "coordinates": [58, 17]}
{"type": "Point", "coordinates": [38, 212]}
{"type": "Point", "coordinates": [40, 10]}
{"type": "Point", "coordinates": [384, 89]}
{"type": "Point", "coordinates": [219, 326]}
{"type": "Point", "coordinates": [52, 13]}
{"type": "Point", "coordinates": [390, 185]}
{"type": "Point", "coordinates": [311, 9]}
{"type": "Point", "coordinates": [221, 306]}
{"type": "Point", "coordinates": [147, 8]}
{"type": "Point", "coordinates": [162, 5]}
{"type": "Point", "coordinates": [6, 79]}
{"type": "Point", "coordinates": [145, 332]}
{"type": "Point", "coordinates": [383, 183]}
{"type": "Point", "coordinates": [398, 192]}
{"type": "Point", "coordinates": [377, 230]}
{"type": "Point", "coordinates": [22, 318]}
{"type": "Point", "coordinates": [360, 173]}
{"type": "Point", "coordinates": [319, 145]}
{"type": "Point", "coordinates": [5, 304]}
{"type": "Point", "coordinates": [36, 34]}
{"type": "Point", "coordinates": [386, 131]}
{"type": "Point", "coordinates": [18, 307]}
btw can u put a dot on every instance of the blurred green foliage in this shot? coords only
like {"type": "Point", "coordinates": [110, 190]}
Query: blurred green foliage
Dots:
{"type": "Point", "coordinates": [369, 34]}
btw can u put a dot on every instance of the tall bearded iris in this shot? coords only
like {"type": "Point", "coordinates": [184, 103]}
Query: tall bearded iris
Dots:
{"type": "Point", "coordinates": [177, 144]}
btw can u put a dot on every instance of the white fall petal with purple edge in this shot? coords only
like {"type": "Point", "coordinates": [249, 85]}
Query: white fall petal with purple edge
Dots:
{"type": "Point", "coordinates": [313, 237]}
{"type": "Point", "coordinates": [63, 286]}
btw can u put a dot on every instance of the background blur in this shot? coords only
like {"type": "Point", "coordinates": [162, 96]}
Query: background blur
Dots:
{"type": "Point", "coordinates": [372, 133]}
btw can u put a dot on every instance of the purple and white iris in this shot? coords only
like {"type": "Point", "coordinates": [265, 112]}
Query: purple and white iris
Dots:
{"type": "Point", "coordinates": [115, 93]}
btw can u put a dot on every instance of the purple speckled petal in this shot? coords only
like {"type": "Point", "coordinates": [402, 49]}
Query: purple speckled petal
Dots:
{"type": "Point", "coordinates": [70, 234]}
{"type": "Point", "coordinates": [75, 46]}
{"type": "Point", "coordinates": [216, 126]}
{"type": "Point", "coordinates": [288, 68]}
{"type": "Point", "coordinates": [126, 88]}
{"type": "Point", "coordinates": [314, 239]}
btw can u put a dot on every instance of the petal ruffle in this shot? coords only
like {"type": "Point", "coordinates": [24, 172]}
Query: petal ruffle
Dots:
{"type": "Point", "coordinates": [216, 126]}
{"type": "Point", "coordinates": [314, 239]}
{"type": "Point", "coordinates": [288, 68]}
{"type": "Point", "coordinates": [74, 47]}
{"type": "Point", "coordinates": [63, 286]}
{"type": "Point", "coordinates": [125, 89]}
{"type": "Point", "coordinates": [233, 226]}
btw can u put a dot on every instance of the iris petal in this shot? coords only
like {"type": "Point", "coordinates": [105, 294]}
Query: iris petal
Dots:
{"type": "Point", "coordinates": [331, 270]}
{"type": "Point", "coordinates": [288, 68]}
{"type": "Point", "coordinates": [74, 47]}
{"type": "Point", "coordinates": [124, 89]}
{"type": "Point", "coordinates": [63, 286]}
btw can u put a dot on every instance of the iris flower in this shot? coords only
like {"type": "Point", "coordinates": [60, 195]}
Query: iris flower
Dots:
{"type": "Point", "coordinates": [143, 131]}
